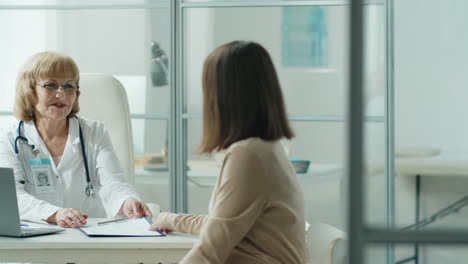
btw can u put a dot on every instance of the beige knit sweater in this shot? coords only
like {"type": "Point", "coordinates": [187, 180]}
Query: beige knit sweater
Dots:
{"type": "Point", "coordinates": [256, 212]}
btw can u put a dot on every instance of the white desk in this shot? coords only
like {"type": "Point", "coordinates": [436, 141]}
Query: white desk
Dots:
{"type": "Point", "coordinates": [439, 165]}
{"type": "Point", "coordinates": [442, 165]}
{"type": "Point", "coordinates": [73, 246]}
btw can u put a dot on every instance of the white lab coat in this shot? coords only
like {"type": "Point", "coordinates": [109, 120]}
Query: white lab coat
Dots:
{"type": "Point", "coordinates": [69, 176]}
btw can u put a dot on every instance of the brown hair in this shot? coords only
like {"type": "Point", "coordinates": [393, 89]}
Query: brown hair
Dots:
{"type": "Point", "coordinates": [42, 65]}
{"type": "Point", "coordinates": [242, 97]}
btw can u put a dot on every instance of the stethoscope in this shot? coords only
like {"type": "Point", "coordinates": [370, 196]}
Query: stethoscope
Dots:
{"type": "Point", "coordinates": [90, 189]}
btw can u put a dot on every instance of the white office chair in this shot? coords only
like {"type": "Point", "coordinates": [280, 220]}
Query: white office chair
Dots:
{"type": "Point", "coordinates": [103, 98]}
{"type": "Point", "coordinates": [326, 244]}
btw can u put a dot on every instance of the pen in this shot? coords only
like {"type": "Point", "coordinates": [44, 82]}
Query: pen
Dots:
{"type": "Point", "coordinates": [23, 225]}
{"type": "Point", "coordinates": [160, 231]}
{"type": "Point", "coordinates": [112, 221]}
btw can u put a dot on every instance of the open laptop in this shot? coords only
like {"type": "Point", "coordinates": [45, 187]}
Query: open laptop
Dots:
{"type": "Point", "coordinates": [10, 224]}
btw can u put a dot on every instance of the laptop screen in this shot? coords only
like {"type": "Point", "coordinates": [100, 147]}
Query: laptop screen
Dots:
{"type": "Point", "coordinates": [10, 220]}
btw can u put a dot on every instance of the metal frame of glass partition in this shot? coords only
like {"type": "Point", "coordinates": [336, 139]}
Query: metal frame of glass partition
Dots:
{"type": "Point", "coordinates": [389, 166]}
{"type": "Point", "coordinates": [63, 6]}
{"type": "Point", "coordinates": [178, 125]}
{"type": "Point", "coordinates": [355, 134]}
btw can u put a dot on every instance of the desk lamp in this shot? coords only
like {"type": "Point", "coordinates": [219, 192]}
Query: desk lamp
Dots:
{"type": "Point", "coordinates": [159, 77]}
{"type": "Point", "coordinates": [158, 66]}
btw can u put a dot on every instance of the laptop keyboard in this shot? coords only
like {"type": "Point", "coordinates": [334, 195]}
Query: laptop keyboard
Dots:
{"type": "Point", "coordinates": [28, 231]}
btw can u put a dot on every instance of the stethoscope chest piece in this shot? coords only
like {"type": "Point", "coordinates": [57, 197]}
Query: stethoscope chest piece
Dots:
{"type": "Point", "coordinates": [90, 190]}
{"type": "Point", "coordinates": [36, 151]}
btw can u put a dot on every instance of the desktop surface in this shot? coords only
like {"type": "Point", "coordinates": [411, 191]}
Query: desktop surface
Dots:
{"type": "Point", "coordinates": [74, 246]}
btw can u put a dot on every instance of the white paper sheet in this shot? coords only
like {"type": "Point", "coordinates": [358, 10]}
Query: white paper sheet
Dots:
{"type": "Point", "coordinates": [128, 227]}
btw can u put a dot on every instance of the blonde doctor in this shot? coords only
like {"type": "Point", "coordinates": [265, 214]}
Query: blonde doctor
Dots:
{"type": "Point", "coordinates": [73, 155]}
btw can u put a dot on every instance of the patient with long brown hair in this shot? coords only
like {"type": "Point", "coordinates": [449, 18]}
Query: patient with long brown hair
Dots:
{"type": "Point", "coordinates": [256, 212]}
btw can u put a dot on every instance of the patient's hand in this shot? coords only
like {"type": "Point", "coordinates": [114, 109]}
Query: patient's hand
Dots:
{"type": "Point", "coordinates": [161, 223]}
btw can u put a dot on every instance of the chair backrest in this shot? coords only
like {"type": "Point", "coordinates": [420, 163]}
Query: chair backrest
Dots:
{"type": "Point", "coordinates": [340, 251]}
{"type": "Point", "coordinates": [325, 244]}
{"type": "Point", "coordinates": [103, 98]}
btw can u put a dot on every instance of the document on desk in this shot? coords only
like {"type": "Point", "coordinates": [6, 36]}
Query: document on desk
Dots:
{"type": "Point", "coordinates": [125, 228]}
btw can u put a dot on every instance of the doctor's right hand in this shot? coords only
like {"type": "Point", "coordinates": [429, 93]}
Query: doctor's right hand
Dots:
{"type": "Point", "coordinates": [68, 218]}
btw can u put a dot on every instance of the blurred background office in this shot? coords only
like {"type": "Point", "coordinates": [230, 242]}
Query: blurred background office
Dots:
{"type": "Point", "coordinates": [415, 79]}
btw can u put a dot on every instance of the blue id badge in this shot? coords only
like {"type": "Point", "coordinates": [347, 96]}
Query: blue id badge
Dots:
{"type": "Point", "coordinates": [42, 175]}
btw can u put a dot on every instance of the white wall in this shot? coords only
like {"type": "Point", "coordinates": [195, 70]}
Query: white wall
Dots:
{"type": "Point", "coordinates": [20, 46]}
{"type": "Point", "coordinates": [117, 42]}
{"type": "Point", "coordinates": [430, 74]}
{"type": "Point", "coordinates": [106, 41]}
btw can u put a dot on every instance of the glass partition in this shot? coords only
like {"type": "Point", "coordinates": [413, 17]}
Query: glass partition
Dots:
{"type": "Point", "coordinates": [118, 38]}
{"type": "Point", "coordinates": [308, 45]}
{"type": "Point", "coordinates": [319, 85]}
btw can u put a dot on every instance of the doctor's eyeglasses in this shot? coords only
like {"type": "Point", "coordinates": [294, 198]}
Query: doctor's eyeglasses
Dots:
{"type": "Point", "coordinates": [54, 88]}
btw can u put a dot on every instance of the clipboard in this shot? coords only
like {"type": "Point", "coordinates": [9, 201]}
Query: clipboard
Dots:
{"type": "Point", "coordinates": [137, 227]}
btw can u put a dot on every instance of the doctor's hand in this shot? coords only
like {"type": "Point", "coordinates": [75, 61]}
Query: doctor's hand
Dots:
{"type": "Point", "coordinates": [132, 208]}
{"type": "Point", "coordinates": [68, 218]}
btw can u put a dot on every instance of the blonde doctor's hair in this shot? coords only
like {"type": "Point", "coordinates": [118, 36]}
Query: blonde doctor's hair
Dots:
{"type": "Point", "coordinates": [42, 65]}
